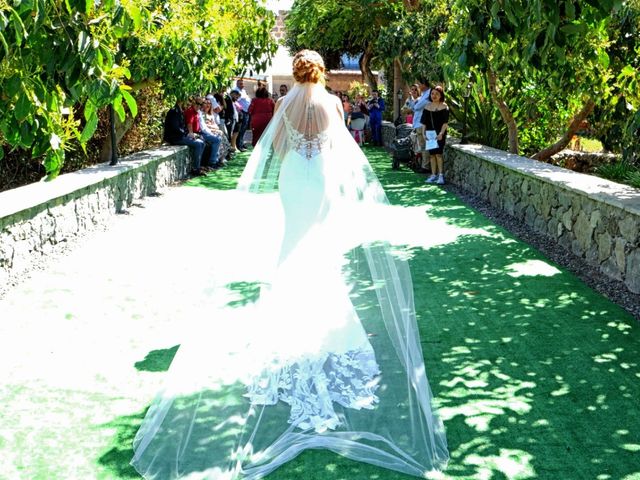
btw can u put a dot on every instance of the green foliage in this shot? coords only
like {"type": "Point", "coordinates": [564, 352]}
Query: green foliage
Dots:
{"type": "Point", "coordinates": [564, 51]}
{"type": "Point", "coordinates": [61, 62]}
{"type": "Point", "coordinates": [484, 124]}
{"type": "Point", "coordinates": [414, 37]}
{"type": "Point", "coordinates": [358, 88]}
{"type": "Point", "coordinates": [617, 171]}
{"type": "Point", "coordinates": [333, 27]}
{"type": "Point", "coordinates": [633, 178]}
{"type": "Point", "coordinates": [616, 122]}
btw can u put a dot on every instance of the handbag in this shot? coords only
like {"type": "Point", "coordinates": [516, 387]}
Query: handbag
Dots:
{"type": "Point", "coordinates": [430, 136]}
{"type": "Point", "coordinates": [432, 139]}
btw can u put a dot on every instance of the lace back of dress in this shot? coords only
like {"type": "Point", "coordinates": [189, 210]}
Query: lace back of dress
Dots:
{"type": "Point", "coordinates": [307, 140]}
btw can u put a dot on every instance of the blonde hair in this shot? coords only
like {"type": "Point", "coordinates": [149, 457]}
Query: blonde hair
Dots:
{"type": "Point", "coordinates": [308, 67]}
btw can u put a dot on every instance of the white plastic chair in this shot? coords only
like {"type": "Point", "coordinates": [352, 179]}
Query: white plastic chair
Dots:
{"type": "Point", "coordinates": [357, 130]}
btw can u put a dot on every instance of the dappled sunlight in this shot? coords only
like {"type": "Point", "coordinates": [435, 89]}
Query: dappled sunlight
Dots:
{"type": "Point", "coordinates": [513, 464]}
{"type": "Point", "coordinates": [535, 375]}
{"type": "Point", "coordinates": [531, 268]}
{"type": "Point", "coordinates": [486, 391]}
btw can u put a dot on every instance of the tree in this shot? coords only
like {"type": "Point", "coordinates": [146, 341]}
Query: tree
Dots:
{"type": "Point", "coordinates": [411, 41]}
{"type": "Point", "coordinates": [516, 44]}
{"type": "Point", "coordinates": [54, 56]}
{"type": "Point", "coordinates": [335, 27]}
{"type": "Point", "coordinates": [62, 61]}
{"type": "Point", "coordinates": [190, 47]}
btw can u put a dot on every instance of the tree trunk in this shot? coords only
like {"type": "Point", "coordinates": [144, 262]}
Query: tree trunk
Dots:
{"type": "Point", "coordinates": [365, 68]}
{"type": "Point", "coordinates": [121, 129]}
{"type": "Point", "coordinates": [545, 153]}
{"type": "Point", "coordinates": [505, 113]}
{"type": "Point", "coordinates": [397, 87]}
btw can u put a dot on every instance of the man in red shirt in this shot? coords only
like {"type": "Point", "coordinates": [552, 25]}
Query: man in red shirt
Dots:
{"type": "Point", "coordinates": [193, 125]}
{"type": "Point", "coordinates": [191, 115]}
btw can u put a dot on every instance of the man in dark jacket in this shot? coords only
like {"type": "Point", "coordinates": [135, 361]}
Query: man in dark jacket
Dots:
{"type": "Point", "coordinates": [176, 133]}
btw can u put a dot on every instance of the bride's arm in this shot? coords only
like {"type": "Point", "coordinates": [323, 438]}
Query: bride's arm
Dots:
{"type": "Point", "coordinates": [340, 109]}
{"type": "Point", "coordinates": [278, 102]}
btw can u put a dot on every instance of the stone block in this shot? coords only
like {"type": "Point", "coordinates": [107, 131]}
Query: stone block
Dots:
{"type": "Point", "coordinates": [604, 246]}
{"type": "Point", "coordinates": [610, 269]}
{"type": "Point", "coordinates": [591, 255]}
{"type": "Point", "coordinates": [530, 215]}
{"type": "Point", "coordinates": [632, 274]}
{"type": "Point", "coordinates": [567, 219]}
{"type": "Point", "coordinates": [620, 254]}
{"type": "Point", "coordinates": [583, 231]}
{"type": "Point", "coordinates": [629, 227]}
{"type": "Point", "coordinates": [564, 199]}
{"type": "Point", "coordinates": [540, 224]}
{"type": "Point", "coordinates": [577, 248]}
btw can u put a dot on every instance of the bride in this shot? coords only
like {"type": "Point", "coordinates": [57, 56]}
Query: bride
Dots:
{"type": "Point", "coordinates": [329, 356]}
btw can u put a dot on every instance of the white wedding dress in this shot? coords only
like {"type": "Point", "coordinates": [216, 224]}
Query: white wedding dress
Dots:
{"type": "Point", "coordinates": [329, 356]}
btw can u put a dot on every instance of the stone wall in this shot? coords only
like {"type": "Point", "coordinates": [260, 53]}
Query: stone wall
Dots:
{"type": "Point", "coordinates": [36, 218]}
{"type": "Point", "coordinates": [596, 219]}
{"type": "Point", "coordinates": [388, 133]}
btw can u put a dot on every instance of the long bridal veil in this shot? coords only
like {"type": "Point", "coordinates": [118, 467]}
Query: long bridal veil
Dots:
{"type": "Point", "coordinates": [329, 355]}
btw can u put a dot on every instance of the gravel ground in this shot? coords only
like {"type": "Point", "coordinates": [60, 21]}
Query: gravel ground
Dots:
{"type": "Point", "coordinates": [614, 290]}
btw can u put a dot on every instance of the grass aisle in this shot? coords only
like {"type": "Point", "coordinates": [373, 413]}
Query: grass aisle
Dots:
{"type": "Point", "coordinates": [536, 375]}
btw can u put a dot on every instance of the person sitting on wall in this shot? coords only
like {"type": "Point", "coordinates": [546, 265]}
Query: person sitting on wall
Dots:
{"type": "Point", "coordinates": [176, 133]}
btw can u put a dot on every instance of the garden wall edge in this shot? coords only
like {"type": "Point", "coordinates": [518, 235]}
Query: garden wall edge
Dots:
{"type": "Point", "coordinates": [37, 218]}
{"type": "Point", "coordinates": [598, 220]}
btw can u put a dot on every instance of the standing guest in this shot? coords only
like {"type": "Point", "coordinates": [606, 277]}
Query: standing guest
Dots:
{"type": "Point", "coordinates": [376, 107]}
{"type": "Point", "coordinates": [176, 133]}
{"type": "Point", "coordinates": [235, 96]}
{"type": "Point", "coordinates": [230, 119]}
{"type": "Point", "coordinates": [244, 102]}
{"type": "Point", "coordinates": [261, 111]}
{"type": "Point", "coordinates": [362, 104]}
{"type": "Point", "coordinates": [346, 107]}
{"type": "Point", "coordinates": [435, 118]}
{"type": "Point", "coordinates": [421, 96]}
{"type": "Point", "coordinates": [283, 90]}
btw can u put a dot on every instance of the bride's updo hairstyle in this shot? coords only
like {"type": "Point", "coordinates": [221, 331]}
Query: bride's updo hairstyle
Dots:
{"type": "Point", "coordinates": [308, 67]}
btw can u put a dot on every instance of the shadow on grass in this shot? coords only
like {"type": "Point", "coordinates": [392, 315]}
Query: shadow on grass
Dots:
{"type": "Point", "coordinates": [157, 360]}
{"type": "Point", "coordinates": [245, 292]}
{"type": "Point", "coordinates": [225, 178]}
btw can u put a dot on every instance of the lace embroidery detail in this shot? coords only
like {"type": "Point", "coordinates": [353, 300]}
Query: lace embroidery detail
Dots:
{"type": "Point", "coordinates": [312, 385]}
{"type": "Point", "coordinates": [306, 144]}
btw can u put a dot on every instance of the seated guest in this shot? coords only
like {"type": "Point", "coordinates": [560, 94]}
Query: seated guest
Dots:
{"type": "Point", "coordinates": [357, 122]}
{"type": "Point", "coordinates": [191, 117]}
{"type": "Point", "coordinates": [176, 133]}
{"type": "Point", "coordinates": [209, 127]}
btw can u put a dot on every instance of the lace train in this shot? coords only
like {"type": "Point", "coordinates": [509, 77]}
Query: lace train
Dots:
{"type": "Point", "coordinates": [311, 385]}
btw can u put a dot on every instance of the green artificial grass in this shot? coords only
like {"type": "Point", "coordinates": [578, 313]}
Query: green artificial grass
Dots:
{"type": "Point", "coordinates": [535, 375]}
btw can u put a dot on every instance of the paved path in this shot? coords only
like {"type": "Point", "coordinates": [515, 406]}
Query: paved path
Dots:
{"type": "Point", "coordinates": [536, 375]}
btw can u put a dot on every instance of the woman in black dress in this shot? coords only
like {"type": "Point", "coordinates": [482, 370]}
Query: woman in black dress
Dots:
{"type": "Point", "coordinates": [435, 117]}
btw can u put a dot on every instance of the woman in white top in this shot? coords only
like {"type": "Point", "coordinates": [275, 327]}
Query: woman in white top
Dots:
{"type": "Point", "coordinates": [208, 119]}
